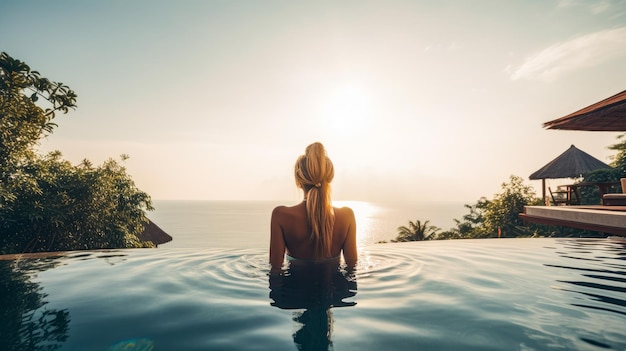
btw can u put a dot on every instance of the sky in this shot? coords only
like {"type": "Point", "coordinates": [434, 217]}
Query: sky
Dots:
{"type": "Point", "coordinates": [417, 101]}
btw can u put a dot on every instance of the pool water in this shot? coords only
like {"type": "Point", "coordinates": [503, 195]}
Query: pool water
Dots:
{"type": "Point", "coordinates": [490, 294]}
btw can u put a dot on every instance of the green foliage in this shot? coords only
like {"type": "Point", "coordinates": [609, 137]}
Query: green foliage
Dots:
{"type": "Point", "coordinates": [472, 225]}
{"type": "Point", "coordinates": [416, 231]}
{"type": "Point", "coordinates": [619, 160]}
{"type": "Point", "coordinates": [66, 207]}
{"type": "Point", "coordinates": [502, 213]}
{"type": "Point", "coordinates": [499, 216]}
{"type": "Point", "coordinates": [46, 203]}
{"type": "Point", "coordinates": [22, 121]}
{"type": "Point", "coordinates": [589, 195]}
{"type": "Point", "coordinates": [451, 234]}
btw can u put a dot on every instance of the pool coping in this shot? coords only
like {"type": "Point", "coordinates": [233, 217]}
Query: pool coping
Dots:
{"type": "Point", "coordinates": [606, 219]}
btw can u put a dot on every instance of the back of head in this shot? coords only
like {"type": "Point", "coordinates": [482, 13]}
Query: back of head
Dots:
{"type": "Point", "coordinates": [313, 172]}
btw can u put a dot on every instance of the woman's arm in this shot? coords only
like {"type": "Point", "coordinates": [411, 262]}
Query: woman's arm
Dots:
{"type": "Point", "coordinates": [349, 246]}
{"type": "Point", "coordinates": [277, 242]}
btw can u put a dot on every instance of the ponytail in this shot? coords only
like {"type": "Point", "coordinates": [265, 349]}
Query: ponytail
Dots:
{"type": "Point", "coordinates": [313, 172]}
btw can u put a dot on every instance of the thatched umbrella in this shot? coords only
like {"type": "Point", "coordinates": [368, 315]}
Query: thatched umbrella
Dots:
{"type": "Point", "coordinates": [606, 115]}
{"type": "Point", "coordinates": [573, 163]}
{"type": "Point", "coordinates": [153, 233]}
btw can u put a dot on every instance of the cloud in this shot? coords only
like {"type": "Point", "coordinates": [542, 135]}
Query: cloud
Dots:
{"type": "Point", "coordinates": [581, 52]}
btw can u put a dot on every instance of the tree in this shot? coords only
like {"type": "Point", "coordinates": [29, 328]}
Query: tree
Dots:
{"type": "Point", "coordinates": [590, 195]}
{"type": "Point", "coordinates": [472, 225]}
{"type": "Point", "coordinates": [619, 160]}
{"type": "Point", "coordinates": [497, 217]}
{"type": "Point", "coordinates": [22, 122]}
{"type": "Point", "coordinates": [46, 203]}
{"type": "Point", "coordinates": [501, 217]}
{"type": "Point", "coordinates": [66, 207]}
{"type": "Point", "coordinates": [416, 231]}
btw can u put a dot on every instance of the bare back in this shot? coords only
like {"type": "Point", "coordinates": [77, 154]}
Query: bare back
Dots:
{"type": "Point", "coordinates": [290, 233]}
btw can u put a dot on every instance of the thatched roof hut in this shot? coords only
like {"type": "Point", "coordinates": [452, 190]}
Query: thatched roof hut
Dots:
{"type": "Point", "coordinates": [153, 233]}
{"type": "Point", "coordinates": [573, 163]}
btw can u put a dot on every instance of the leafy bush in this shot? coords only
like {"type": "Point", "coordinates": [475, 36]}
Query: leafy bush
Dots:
{"type": "Point", "coordinates": [46, 203]}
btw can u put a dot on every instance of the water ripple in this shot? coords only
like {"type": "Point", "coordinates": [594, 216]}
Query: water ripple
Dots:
{"type": "Point", "coordinates": [514, 294]}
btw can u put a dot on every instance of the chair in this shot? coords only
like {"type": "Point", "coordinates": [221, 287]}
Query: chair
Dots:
{"type": "Point", "coordinates": [559, 197]}
{"type": "Point", "coordinates": [614, 200]}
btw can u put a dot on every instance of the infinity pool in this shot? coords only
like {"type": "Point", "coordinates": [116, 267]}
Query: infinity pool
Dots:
{"type": "Point", "coordinates": [491, 294]}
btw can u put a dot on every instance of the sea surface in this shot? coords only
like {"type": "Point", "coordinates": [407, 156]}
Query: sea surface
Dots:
{"type": "Point", "coordinates": [211, 289]}
{"type": "Point", "coordinates": [245, 224]}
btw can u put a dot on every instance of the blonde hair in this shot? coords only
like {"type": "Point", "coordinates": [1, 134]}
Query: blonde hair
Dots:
{"type": "Point", "coordinates": [313, 172]}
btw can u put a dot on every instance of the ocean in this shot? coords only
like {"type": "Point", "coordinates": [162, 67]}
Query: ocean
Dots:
{"type": "Point", "coordinates": [245, 224]}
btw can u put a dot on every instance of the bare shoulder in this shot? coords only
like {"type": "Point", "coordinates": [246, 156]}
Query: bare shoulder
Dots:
{"type": "Point", "coordinates": [286, 211]}
{"type": "Point", "coordinates": [278, 210]}
{"type": "Point", "coordinates": [281, 211]}
{"type": "Point", "coordinates": [345, 212]}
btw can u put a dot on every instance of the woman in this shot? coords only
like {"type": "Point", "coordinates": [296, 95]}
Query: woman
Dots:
{"type": "Point", "coordinates": [313, 230]}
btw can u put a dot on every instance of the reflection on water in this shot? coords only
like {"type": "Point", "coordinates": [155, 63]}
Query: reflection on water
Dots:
{"type": "Point", "coordinates": [25, 321]}
{"type": "Point", "coordinates": [314, 288]}
{"type": "Point", "coordinates": [607, 275]}
{"type": "Point", "coordinates": [491, 294]}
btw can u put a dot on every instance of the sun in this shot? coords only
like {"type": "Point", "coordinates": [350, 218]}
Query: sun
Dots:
{"type": "Point", "coordinates": [346, 112]}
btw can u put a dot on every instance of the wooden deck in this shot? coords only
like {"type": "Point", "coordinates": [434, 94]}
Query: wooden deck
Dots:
{"type": "Point", "coordinates": [605, 219]}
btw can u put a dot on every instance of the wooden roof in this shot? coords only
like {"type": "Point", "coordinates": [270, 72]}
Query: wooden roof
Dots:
{"type": "Point", "coordinates": [153, 233]}
{"type": "Point", "coordinates": [573, 163]}
{"type": "Point", "coordinates": [606, 115]}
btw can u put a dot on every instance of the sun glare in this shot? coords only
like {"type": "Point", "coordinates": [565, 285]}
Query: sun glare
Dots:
{"type": "Point", "coordinates": [364, 214]}
{"type": "Point", "coordinates": [346, 112]}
